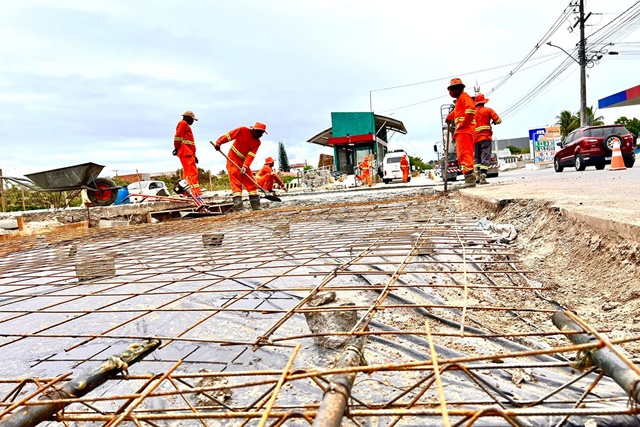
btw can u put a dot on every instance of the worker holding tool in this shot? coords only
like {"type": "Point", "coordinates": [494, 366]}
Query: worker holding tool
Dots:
{"type": "Point", "coordinates": [485, 116]}
{"type": "Point", "coordinates": [185, 148]}
{"type": "Point", "coordinates": [365, 176]}
{"type": "Point", "coordinates": [404, 166]}
{"type": "Point", "coordinates": [267, 176]}
{"type": "Point", "coordinates": [246, 141]}
{"type": "Point", "coordinates": [463, 118]}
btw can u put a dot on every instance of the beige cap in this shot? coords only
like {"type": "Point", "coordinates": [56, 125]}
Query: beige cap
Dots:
{"type": "Point", "coordinates": [189, 113]}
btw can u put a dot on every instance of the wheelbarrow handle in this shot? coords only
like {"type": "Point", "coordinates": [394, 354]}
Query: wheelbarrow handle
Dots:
{"type": "Point", "coordinates": [240, 169]}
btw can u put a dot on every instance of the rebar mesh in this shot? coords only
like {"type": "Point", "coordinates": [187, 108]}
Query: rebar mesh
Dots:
{"type": "Point", "coordinates": [418, 277]}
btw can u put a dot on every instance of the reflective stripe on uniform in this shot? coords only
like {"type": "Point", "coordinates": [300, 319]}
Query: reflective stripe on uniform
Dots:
{"type": "Point", "coordinates": [237, 194]}
{"type": "Point", "coordinates": [479, 128]}
{"type": "Point", "coordinates": [186, 141]}
{"type": "Point", "coordinates": [251, 153]}
{"type": "Point", "coordinates": [178, 139]}
{"type": "Point", "coordinates": [253, 193]}
{"type": "Point", "coordinates": [498, 122]}
{"type": "Point", "coordinates": [235, 150]}
{"type": "Point", "coordinates": [228, 137]}
{"type": "Point", "coordinates": [469, 111]}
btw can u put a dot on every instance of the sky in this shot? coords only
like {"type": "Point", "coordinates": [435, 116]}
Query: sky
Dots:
{"type": "Point", "coordinates": [106, 81]}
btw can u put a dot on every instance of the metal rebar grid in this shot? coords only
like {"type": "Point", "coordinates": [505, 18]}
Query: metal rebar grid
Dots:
{"type": "Point", "coordinates": [238, 320]}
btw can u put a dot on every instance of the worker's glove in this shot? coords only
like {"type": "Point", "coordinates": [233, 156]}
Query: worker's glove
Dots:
{"type": "Point", "coordinates": [197, 161]}
{"type": "Point", "coordinates": [217, 147]}
{"type": "Point", "coordinates": [243, 170]}
{"type": "Point", "coordinates": [175, 152]}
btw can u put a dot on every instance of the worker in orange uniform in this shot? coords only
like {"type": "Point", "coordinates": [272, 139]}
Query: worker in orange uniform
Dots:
{"type": "Point", "coordinates": [404, 166]}
{"type": "Point", "coordinates": [463, 118]}
{"type": "Point", "coordinates": [267, 176]}
{"type": "Point", "coordinates": [365, 176]}
{"type": "Point", "coordinates": [485, 116]}
{"type": "Point", "coordinates": [184, 146]}
{"type": "Point", "coordinates": [246, 141]}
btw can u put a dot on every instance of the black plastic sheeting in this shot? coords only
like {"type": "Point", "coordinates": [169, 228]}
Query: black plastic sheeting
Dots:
{"type": "Point", "coordinates": [168, 283]}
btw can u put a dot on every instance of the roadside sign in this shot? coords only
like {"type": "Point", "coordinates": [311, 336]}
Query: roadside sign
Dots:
{"type": "Point", "coordinates": [543, 142]}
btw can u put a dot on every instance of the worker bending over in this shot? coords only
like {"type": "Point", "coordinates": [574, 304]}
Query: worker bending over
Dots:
{"type": "Point", "coordinates": [246, 141]}
{"type": "Point", "coordinates": [463, 118]}
{"type": "Point", "coordinates": [185, 148]}
{"type": "Point", "coordinates": [267, 176]}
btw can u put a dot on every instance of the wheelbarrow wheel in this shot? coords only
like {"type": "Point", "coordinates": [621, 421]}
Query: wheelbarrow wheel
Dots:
{"type": "Point", "coordinates": [105, 194]}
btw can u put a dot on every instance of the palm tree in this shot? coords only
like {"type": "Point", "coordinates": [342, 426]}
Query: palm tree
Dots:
{"type": "Point", "coordinates": [567, 122]}
{"type": "Point", "coordinates": [592, 120]}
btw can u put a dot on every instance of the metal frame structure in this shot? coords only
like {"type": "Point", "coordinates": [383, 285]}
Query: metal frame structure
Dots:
{"type": "Point", "coordinates": [448, 328]}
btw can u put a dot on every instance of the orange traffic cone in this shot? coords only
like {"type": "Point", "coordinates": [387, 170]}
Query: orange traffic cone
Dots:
{"type": "Point", "coordinates": [617, 162]}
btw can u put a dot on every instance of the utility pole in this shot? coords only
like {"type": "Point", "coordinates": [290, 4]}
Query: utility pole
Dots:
{"type": "Point", "coordinates": [582, 55]}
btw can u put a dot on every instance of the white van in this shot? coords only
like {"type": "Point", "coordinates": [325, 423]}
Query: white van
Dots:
{"type": "Point", "coordinates": [391, 166]}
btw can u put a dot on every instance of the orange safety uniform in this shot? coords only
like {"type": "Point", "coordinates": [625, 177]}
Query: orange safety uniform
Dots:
{"type": "Point", "coordinates": [186, 146]}
{"type": "Point", "coordinates": [484, 135]}
{"type": "Point", "coordinates": [242, 152]}
{"type": "Point", "coordinates": [463, 118]}
{"type": "Point", "coordinates": [404, 166]}
{"type": "Point", "coordinates": [366, 175]}
{"type": "Point", "coordinates": [267, 176]}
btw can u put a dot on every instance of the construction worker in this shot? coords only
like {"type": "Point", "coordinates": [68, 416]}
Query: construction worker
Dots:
{"type": "Point", "coordinates": [185, 148]}
{"type": "Point", "coordinates": [242, 153]}
{"type": "Point", "coordinates": [267, 176]}
{"type": "Point", "coordinates": [365, 176]}
{"type": "Point", "coordinates": [464, 122]}
{"type": "Point", "coordinates": [485, 116]}
{"type": "Point", "coordinates": [404, 166]}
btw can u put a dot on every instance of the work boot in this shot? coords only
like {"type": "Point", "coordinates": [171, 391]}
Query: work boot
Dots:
{"type": "Point", "coordinates": [483, 178]}
{"type": "Point", "coordinates": [255, 203]}
{"type": "Point", "coordinates": [469, 180]}
{"type": "Point", "coordinates": [237, 203]}
{"type": "Point", "coordinates": [477, 171]}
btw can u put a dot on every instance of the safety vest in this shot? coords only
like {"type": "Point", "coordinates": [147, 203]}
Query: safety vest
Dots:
{"type": "Point", "coordinates": [484, 116]}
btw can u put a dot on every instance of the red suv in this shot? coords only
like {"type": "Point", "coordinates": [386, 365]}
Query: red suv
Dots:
{"type": "Point", "coordinates": [592, 146]}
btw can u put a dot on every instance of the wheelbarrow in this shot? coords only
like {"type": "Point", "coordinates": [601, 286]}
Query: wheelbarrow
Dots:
{"type": "Point", "coordinates": [100, 191]}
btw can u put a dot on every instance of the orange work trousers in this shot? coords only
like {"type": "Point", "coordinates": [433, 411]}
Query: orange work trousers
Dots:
{"type": "Point", "coordinates": [464, 150]}
{"type": "Point", "coordinates": [238, 180]}
{"type": "Point", "coordinates": [405, 174]}
{"type": "Point", "coordinates": [190, 173]}
{"type": "Point", "coordinates": [266, 182]}
{"type": "Point", "coordinates": [365, 178]}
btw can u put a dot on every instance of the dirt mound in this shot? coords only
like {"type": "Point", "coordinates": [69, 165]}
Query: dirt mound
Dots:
{"type": "Point", "coordinates": [593, 274]}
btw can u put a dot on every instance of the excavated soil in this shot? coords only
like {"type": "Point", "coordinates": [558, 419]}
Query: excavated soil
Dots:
{"type": "Point", "coordinates": [588, 272]}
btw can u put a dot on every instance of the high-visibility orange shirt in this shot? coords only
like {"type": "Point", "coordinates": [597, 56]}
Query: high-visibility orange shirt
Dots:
{"type": "Point", "coordinates": [364, 165]}
{"type": "Point", "coordinates": [183, 141]}
{"type": "Point", "coordinates": [463, 115]}
{"type": "Point", "coordinates": [484, 117]}
{"type": "Point", "coordinates": [245, 146]}
{"type": "Point", "coordinates": [266, 171]}
{"type": "Point", "coordinates": [404, 163]}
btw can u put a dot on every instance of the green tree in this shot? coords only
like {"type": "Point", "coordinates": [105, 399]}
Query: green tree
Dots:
{"type": "Point", "coordinates": [283, 160]}
{"type": "Point", "coordinates": [632, 125]}
{"type": "Point", "coordinates": [592, 120]}
{"type": "Point", "coordinates": [417, 162]}
{"type": "Point", "coordinates": [514, 150]}
{"type": "Point", "coordinates": [567, 122]}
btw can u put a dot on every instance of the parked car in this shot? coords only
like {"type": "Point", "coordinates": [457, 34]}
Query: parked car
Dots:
{"type": "Point", "coordinates": [146, 188]}
{"type": "Point", "coordinates": [453, 167]}
{"type": "Point", "coordinates": [493, 166]}
{"type": "Point", "coordinates": [391, 166]}
{"type": "Point", "coordinates": [592, 146]}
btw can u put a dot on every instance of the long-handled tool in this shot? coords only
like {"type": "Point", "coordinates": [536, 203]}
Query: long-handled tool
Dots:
{"type": "Point", "coordinates": [267, 196]}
